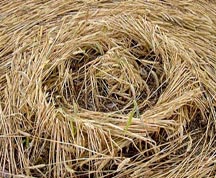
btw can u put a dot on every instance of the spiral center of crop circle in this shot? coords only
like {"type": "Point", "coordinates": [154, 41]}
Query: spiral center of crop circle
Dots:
{"type": "Point", "coordinates": [117, 79]}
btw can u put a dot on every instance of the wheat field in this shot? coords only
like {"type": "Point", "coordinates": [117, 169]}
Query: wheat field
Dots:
{"type": "Point", "coordinates": [108, 88]}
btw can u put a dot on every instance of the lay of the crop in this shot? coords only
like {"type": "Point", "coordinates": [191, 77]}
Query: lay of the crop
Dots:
{"type": "Point", "coordinates": [108, 88]}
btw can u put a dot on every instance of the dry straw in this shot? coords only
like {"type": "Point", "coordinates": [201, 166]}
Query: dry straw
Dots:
{"type": "Point", "coordinates": [107, 88]}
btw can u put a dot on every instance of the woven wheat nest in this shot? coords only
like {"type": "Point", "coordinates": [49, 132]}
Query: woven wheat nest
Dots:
{"type": "Point", "coordinates": [107, 88]}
